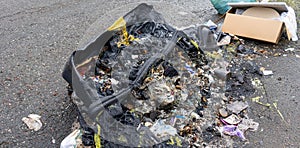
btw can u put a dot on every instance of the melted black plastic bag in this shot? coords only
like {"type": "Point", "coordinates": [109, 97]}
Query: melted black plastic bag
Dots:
{"type": "Point", "coordinates": [131, 74]}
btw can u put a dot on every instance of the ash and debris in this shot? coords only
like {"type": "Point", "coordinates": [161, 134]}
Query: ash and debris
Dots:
{"type": "Point", "coordinates": [197, 101]}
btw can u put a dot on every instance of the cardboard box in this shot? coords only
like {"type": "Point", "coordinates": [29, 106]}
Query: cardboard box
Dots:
{"type": "Point", "coordinates": [256, 23]}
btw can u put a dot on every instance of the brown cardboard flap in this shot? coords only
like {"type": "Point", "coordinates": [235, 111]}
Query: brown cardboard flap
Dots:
{"type": "Point", "coordinates": [279, 6]}
{"type": "Point", "coordinates": [256, 28]}
{"type": "Point", "coordinates": [262, 12]}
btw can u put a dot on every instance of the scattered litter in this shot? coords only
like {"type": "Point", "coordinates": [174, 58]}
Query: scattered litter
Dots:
{"type": "Point", "coordinates": [237, 106]}
{"type": "Point", "coordinates": [154, 83]}
{"type": "Point", "coordinates": [258, 84]}
{"type": "Point", "coordinates": [163, 131]}
{"type": "Point", "coordinates": [239, 83]}
{"type": "Point", "coordinates": [72, 140]}
{"type": "Point", "coordinates": [232, 130]}
{"type": "Point", "coordinates": [267, 72]}
{"type": "Point", "coordinates": [148, 124]}
{"type": "Point", "coordinates": [290, 49]}
{"type": "Point", "coordinates": [225, 40]}
{"type": "Point", "coordinates": [248, 124]}
{"type": "Point", "coordinates": [232, 119]}
{"type": "Point", "coordinates": [134, 56]}
{"type": "Point", "coordinates": [33, 121]}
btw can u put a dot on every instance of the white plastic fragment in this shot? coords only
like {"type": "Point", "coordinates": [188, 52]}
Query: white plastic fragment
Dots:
{"type": "Point", "coordinates": [248, 124]}
{"type": "Point", "coordinates": [267, 72]}
{"type": "Point", "coordinates": [289, 49]}
{"type": "Point", "coordinates": [70, 141]}
{"type": "Point", "coordinates": [224, 41]}
{"type": "Point", "coordinates": [289, 19]}
{"type": "Point", "coordinates": [134, 56]}
{"type": "Point", "coordinates": [232, 119]}
{"type": "Point", "coordinates": [210, 23]}
{"type": "Point", "coordinates": [33, 121]}
{"type": "Point", "coordinates": [148, 124]}
{"type": "Point", "coordinates": [237, 106]}
{"type": "Point", "coordinates": [162, 130]}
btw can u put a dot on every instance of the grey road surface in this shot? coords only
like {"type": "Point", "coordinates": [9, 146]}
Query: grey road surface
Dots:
{"type": "Point", "coordinates": [37, 36]}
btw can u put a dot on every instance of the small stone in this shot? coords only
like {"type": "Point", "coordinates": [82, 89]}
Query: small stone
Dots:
{"type": "Point", "coordinates": [223, 112]}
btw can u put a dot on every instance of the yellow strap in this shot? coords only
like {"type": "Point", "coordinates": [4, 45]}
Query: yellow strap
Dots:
{"type": "Point", "coordinates": [117, 24]}
{"type": "Point", "coordinates": [120, 25]}
{"type": "Point", "coordinates": [194, 43]}
{"type": "Point", "coordinates": [257, 100]}
{"type": "Point", "coordinates": [97, 137]}
{"type": "Point", "coordinates": [178, 141]}
{"type": "Point", "coordinates": [171, 141]}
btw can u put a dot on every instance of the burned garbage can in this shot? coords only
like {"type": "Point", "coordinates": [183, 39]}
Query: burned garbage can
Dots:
{"type": "Point", "coordinates": [139, 84]}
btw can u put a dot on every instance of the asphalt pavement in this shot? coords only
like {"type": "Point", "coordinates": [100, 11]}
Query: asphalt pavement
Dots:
{"type": "Point", "coordinates": [37, 37]}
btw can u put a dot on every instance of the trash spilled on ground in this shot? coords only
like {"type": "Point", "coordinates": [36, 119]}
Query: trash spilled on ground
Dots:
{"type": "Point", "coordinates": [143, 83]}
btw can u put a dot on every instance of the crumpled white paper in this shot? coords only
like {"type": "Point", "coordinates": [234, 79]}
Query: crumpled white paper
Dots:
{"type": "Point", "coordinates": [33, 121]}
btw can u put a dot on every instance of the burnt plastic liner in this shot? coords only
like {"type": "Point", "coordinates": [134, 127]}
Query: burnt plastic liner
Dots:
{"type": "Point", "coordinates": [105, 109]}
